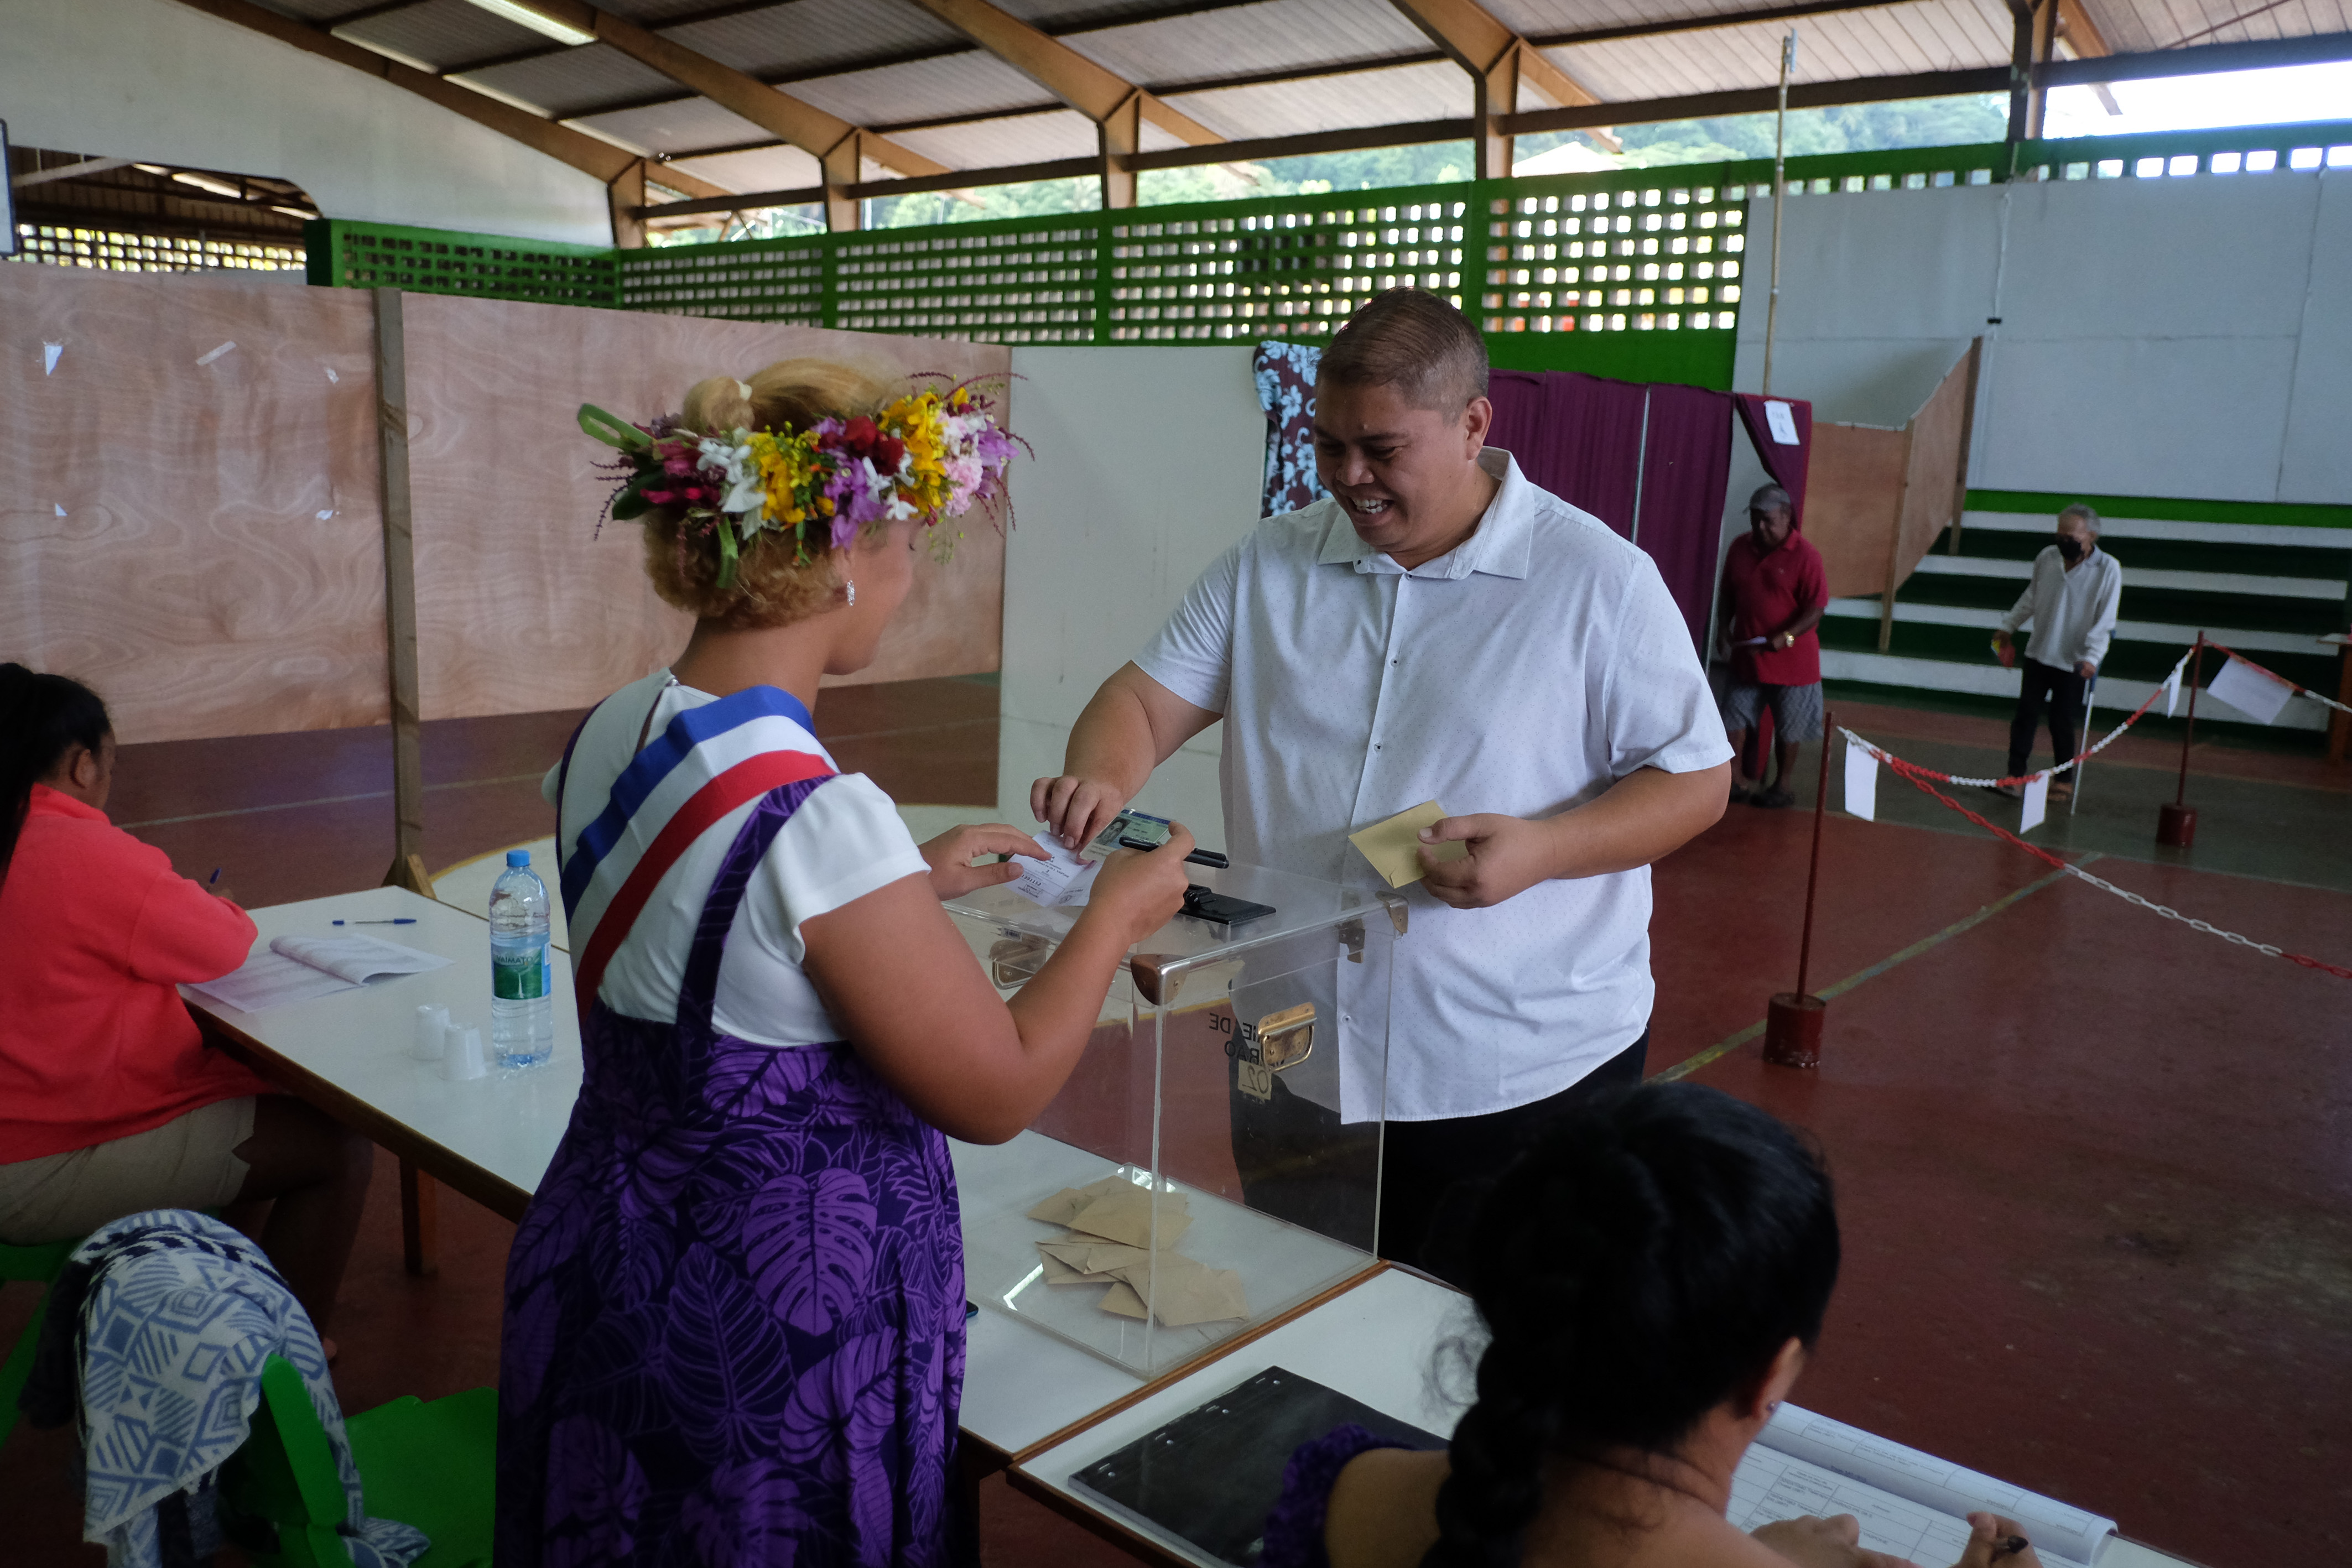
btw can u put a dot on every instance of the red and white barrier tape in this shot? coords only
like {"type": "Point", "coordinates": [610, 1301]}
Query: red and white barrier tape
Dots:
{"type": "Point", "coordinates": [2077, 760]}
{"type": "Point", "coordinates": [2299, 691]}
{"type": "Point", "coordinates": [1918, 776]}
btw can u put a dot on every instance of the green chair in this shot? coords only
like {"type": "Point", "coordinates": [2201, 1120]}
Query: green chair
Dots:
{"type": "Point", "coordinates": [36, 1265]}
{"type": "Point", "coordinates": [431, 1466]}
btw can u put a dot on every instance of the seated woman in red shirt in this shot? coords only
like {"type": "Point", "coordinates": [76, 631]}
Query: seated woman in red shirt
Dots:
{"type": "Point", "coordinates": [110, 1102]}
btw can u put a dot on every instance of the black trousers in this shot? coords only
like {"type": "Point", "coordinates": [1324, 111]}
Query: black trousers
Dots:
{"type": "Point", "coordinates": [2061, 691]}
{"type": "Point", "coordinates": [1299, 1163]}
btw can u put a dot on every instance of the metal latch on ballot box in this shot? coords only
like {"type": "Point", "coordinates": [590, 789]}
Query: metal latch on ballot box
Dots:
{"type": "Point", "coordinates": [1276, 1042]}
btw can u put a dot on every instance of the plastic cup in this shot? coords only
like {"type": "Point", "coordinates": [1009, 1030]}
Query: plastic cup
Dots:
{"type": "Point", "coordinates": [461, 1052]}
{"type": "Point", "coordinates": [425, 1044]}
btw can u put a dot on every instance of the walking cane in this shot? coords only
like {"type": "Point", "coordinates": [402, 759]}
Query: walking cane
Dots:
{"type": "Point", "coordinates": [2082, 758]}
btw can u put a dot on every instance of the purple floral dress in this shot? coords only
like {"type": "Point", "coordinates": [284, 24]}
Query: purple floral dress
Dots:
{"type": "Point", "coordinates": [734, 1314]}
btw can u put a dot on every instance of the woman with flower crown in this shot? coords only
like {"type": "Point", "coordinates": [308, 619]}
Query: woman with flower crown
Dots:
{"type": "Point", "coordinates": [735, 1309]}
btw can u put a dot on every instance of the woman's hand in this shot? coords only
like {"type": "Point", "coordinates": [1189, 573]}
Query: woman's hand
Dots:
{"type": "Point", "coordinates": [950, 855]}
{"type": "Point", "coordinates": [1997, 1543]}
{"type": "Point", "coordinates": [1832, 1542]}
{"type": "Point", "coordinates": [1139, 890]}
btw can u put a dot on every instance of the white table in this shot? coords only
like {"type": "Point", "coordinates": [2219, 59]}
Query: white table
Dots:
{"type": "Point", "coordinates": [492, 1138]}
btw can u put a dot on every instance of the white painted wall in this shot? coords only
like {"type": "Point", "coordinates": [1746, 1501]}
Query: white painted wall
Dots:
{"type": "Point", "coordinates": [1149, 463]}
{"type": "Point", "coordinates": [156, 79]}
{"type": "Point", "coordinates": [2187, 338]}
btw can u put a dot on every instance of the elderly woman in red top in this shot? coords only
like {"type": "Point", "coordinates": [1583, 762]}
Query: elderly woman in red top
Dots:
{"type": "Point", "coordinates": [110, 1102]}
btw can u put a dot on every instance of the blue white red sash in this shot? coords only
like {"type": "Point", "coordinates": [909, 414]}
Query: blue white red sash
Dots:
{"type": "Point", "coordinates": [707, 762]}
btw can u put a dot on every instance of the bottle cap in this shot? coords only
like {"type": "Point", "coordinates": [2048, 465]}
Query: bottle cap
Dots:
{"type": "Point", "coordinates": [518, 857]}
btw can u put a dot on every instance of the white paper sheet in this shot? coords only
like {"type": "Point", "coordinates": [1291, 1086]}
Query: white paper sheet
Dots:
{"type": "Point", "coordinates": [1061, 880]}
{"type": "Point", "coordinates": [1781, 421]}
{"type": "Point", "coordinates": [2037, 805]}
{"type": "Point", "coordinates": [1861, 783]}
{"type": "Point", "coordinates": [1908, 1481]}
{"type": "Point", "coordinates": [304, 968]}
{"type": "Point", "coordinates": [2249, 691]}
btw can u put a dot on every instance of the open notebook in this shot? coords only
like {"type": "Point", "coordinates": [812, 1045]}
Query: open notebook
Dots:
{"type": "Point", "coordinates": [303, 968]}
{"type": "Point", "coordinates": [1911, 1504]}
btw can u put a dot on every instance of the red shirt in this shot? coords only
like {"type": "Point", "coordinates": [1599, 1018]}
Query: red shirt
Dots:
{"type": "Point", "coordinates": [1765, 592]}
{"type": "Point", "coordinates": [95, 931]}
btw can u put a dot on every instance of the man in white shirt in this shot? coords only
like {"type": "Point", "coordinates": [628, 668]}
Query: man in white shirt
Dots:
{"type": "Point", "coordinates": [2071, 602]}
{"type": "Point", "coordinates": [1439, 629]}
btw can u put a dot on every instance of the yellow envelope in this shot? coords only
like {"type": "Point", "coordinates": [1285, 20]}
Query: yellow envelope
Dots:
{"type": "Point", "coordinates": [1393, 846]}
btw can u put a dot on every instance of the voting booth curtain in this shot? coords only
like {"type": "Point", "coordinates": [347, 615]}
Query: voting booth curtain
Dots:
{"type": "Point", "coordinates": [1649, 461]}
{"type": "Point", "coordinates": [1787, 461]}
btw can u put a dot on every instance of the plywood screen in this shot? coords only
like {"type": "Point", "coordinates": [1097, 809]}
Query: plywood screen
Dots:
{"type": "Point", "coordinates": [188, 498]}
{"type": "Point", "coordinates": [1938, 450]}
{"type": "Point", "coordinates": [1852, 488]}
{"type": "Point", "coordinates": [521, 606]}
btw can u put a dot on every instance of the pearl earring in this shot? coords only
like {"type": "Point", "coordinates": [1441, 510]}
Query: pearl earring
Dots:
{"type": "Point", "coordinates": [852, 586]}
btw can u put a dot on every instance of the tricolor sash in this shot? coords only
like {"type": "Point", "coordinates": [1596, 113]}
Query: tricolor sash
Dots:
{"type": "Point", "coordinates": [707, 762]}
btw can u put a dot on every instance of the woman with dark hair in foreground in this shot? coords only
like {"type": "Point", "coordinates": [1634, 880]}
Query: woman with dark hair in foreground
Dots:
{"type": "Point", "coordinates": [1653, 1275]}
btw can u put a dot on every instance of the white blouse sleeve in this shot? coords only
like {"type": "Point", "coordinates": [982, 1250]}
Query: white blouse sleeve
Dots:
{"type": "Point", "coordinates": [845, 841]}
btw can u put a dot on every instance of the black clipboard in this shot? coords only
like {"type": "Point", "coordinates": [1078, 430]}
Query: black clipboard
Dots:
{"type": "Point", "coordinates": [1212, 1475]}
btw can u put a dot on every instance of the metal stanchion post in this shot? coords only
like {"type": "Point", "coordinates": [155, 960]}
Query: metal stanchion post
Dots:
{"type": "Point", "coordinates": [1792, 1020]}
{"type": "Point", "coordinates": [2175, 824]}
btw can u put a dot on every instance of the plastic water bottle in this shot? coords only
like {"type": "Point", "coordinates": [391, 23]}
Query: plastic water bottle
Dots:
{"type": "Point", "coordinates": [522, 1010]}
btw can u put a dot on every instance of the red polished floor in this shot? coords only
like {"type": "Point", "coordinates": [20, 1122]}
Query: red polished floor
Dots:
{"type": "Point", "coordinates": [2094, 1165]}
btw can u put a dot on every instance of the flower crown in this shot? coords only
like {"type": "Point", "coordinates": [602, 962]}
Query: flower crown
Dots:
{"type": "Point", "coordinates": [929, 454]}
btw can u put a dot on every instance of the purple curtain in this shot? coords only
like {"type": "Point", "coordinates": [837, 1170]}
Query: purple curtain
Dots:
{"type": "Point", "coordinates": [1787, 465]}
{"type": "Point", "coordinates": [1580, 437]}
{"type": "Point", "coordinates": [1686, 462]}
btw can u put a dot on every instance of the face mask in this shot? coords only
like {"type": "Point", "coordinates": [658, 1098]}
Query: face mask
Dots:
{"type": "Point", "coordinates": [2071, 548]}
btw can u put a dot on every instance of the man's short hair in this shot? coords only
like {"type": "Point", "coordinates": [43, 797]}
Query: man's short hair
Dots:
{"type": "Point", "coordinates": [2088, 514]}
{"type": "Point", "coordinates": [1409, 340]}
{"type": "Point", "coordinates": [1771, 499]}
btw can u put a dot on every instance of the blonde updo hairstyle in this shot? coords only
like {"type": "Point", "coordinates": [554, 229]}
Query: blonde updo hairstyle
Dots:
{"type": "Point", "coordinates": [773, 586]}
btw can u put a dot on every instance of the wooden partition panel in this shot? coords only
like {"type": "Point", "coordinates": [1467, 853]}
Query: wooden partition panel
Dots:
{"type": "Point", "coordinates": [521, 606]}
{"type": "Point", "coordinates": [1852, 489]}
{"type": "Point", "coordinates": [189, 517]}
{"type": "Point", "coordinates": [1933, 488]}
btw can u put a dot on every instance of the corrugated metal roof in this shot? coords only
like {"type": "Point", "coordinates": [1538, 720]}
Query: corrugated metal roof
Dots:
{"type": "Point", "coordinates": [894, 66]}
{"type": "Point", "coordinates": [1273, 34]}
{"type": "Point", "coordinates": [680, 127]}
{"type": "Point", "coordinates": [444, 35]}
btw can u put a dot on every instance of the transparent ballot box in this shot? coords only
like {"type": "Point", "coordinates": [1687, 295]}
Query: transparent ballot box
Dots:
{"type": "Point", "coordinates": [1213, 1160]}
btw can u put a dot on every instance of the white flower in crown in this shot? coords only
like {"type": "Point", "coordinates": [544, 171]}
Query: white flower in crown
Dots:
{"type": "Point", "coordinates": [730, 461]}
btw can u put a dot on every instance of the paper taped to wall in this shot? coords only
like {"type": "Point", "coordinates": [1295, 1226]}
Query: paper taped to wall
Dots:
{"type": "Point", "coordinates": [1782, 420]}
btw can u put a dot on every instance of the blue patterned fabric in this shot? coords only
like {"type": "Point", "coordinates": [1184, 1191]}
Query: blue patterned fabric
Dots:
{"type": "Point", "coordinates": [1286, 389]}
{"type": "Point", "coordinates": [734, 1322]}
{"type": "Point", "coordinates": [179, 1314]}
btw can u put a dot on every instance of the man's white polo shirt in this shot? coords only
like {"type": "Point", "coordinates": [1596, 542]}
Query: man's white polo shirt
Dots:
{"type": "Point", "coordinates": [1523, 672]}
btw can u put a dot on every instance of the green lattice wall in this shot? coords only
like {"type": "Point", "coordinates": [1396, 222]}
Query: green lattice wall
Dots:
{"type": "Point", "coordinates": [436, 261]}
{"type": "Point", "coordinates": [1637, 273]}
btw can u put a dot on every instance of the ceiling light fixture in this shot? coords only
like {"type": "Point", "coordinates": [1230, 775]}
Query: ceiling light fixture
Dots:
{"type": "Point", "coordinates": [537, 21]}
{"type": "Point", "coordinates": [205, 182]}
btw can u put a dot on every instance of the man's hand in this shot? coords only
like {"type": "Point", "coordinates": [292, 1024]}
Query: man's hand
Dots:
{"type": "Point", "coordinates": [1825, 1543]}
{"type": "Point", "coordinates": [950, 855]}
{"type": "Point", "coordinates": [1075, 809]}
{"type": "Point", "coordinates": [1507, 856]}
{"type": "Point", "coordinates": [2086, 669]}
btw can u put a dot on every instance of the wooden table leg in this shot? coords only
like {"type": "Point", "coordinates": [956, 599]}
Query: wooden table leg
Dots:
{"type": "Point", "coordinates": [420, 1222]}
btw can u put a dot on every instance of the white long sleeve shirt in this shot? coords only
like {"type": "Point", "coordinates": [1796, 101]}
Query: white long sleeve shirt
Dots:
{"type": "Point", "coordinates": [2073, 613]}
